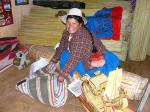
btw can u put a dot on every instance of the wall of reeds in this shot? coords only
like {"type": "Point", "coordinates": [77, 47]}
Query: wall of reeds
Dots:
{"type": "Point", "coordinates": [140, 36]}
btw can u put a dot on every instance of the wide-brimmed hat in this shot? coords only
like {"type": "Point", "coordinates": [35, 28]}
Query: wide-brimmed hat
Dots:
{"type": "Point", "coordinates": [75, 12]}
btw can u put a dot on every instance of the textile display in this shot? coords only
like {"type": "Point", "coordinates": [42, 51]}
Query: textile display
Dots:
{"type": "Point", "coordinates": [44, 88]}
{"type": "Point", "coordinates": [8, 49]}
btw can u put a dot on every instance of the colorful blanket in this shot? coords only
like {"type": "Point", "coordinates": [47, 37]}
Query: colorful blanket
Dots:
{"type": "Point", "coordinates": [106, 23]}
{"type": "Point", "coordinates": [8, 49]}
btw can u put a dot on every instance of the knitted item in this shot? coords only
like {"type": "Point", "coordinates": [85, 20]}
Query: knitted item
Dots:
{"type": "Point", "coordinates": [97, 60]}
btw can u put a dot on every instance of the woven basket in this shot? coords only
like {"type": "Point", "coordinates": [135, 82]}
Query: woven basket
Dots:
{"type": "Point", "coordinates": [37, 51]}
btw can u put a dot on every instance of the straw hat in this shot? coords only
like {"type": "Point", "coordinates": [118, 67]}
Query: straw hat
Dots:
{"type": "Point", "coordinates": [75, 12]}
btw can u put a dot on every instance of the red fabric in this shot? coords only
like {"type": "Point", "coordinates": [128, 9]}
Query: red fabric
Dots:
{"type": "Point", "coordinates": [12, 54]}
{"type": "Point", "coordinates": [116, 23]}
{"type": "Point", "coordinates": [5, 53]}
{"type": "Point", "coordinates": [24, 48]}
{"type": "Point", "coordinates": [96, 57]}
{"type": "Point", "coordinates": [8, 41]}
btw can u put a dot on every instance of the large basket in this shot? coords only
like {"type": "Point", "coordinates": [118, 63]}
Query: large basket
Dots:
{"type": "Point", "coordinates": [37, 51]}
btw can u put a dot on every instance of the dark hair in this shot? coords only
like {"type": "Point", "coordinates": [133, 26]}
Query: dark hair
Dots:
{"type": "Point", "coordinates": [78, 18]}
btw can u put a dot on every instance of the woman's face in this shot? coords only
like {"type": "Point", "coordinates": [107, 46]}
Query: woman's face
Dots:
{"type": "Point", "coordinates": [72, 25]}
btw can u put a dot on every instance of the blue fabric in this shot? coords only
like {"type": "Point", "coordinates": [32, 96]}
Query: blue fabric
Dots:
{"type": "Point", "coordinates": [112, 62]}
{"type": "Point", "coordinates": [101, 24]}
{"type": "Point", "coordinates": [104, 12]}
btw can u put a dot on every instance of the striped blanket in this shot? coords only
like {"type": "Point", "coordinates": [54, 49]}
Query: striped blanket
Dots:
{"type": "Point", "coordinates": [44, 88]}
{"type": "Point", "coordinates": [8, 49]}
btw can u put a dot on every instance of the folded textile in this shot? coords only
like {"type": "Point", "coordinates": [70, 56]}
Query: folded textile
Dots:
{"type": "Point", "coordinates": [106, 23]}
{"type": "Point", "coordinates": [8, 40]}
{"type": "Point", "coordinates": [100, 26]}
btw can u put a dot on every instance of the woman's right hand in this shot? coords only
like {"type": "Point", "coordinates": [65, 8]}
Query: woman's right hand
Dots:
{"type": "Point", "coordinates": [51, 67]}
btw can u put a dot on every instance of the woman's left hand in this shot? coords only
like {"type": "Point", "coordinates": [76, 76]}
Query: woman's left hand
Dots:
{"type": "Point", "coordinates": [61, 77]}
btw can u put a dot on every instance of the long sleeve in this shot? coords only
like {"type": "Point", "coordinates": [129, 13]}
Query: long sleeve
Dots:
{"type": "Point", "coordinates": [99, 45]}
{"type": "Point", "coordinates": [80, 45]}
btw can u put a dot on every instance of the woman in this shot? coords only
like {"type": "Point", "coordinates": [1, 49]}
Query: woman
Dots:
{"type": "Point", "coordinates": [75, 49]}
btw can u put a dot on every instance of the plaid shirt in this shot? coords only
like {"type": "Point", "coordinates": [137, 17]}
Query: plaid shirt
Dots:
{"type": "Point", "coordinates": [80, 47]}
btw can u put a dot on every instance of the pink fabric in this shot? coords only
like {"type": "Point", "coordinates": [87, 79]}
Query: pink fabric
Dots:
{"type": "Point", "coordinates": [5, 63]}
{"type": "Point", "coordinates": [5, 53]}
{"type": "Point", "coordinates": [12, 54]}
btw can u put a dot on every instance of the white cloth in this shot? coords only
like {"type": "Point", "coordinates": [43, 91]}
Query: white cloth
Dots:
{"type": "Point", "coordinates": [69, 41]}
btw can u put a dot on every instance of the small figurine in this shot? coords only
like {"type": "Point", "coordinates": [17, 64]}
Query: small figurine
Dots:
{"type": "Point", "coordinates": [21, 60]}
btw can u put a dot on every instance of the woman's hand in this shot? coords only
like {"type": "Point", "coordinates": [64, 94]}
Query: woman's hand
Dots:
{"type": "Point", "coordinates": [61, 77]}
{"type": "Point", "coordinates": [51, 67]}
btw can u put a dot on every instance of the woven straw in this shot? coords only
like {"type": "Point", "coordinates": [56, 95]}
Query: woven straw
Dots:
{"type": "Point", "coordinates": [140, 36]}
{"type": "Point", "coordinates": [36, 51]}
